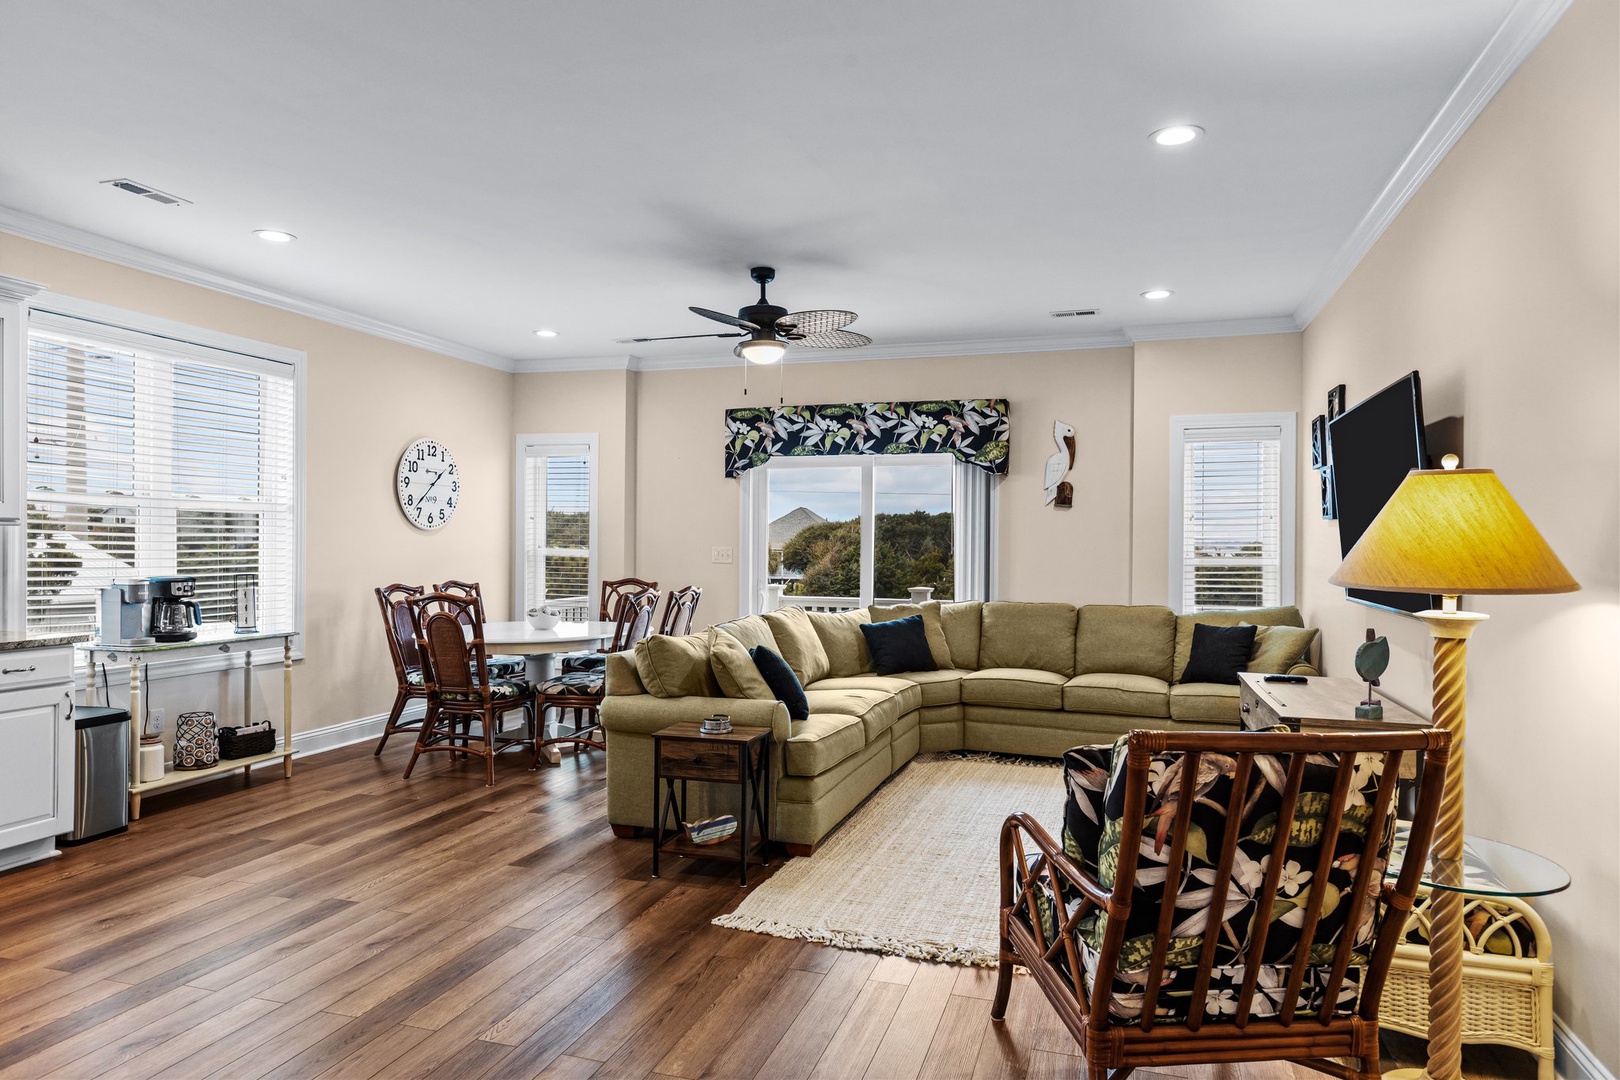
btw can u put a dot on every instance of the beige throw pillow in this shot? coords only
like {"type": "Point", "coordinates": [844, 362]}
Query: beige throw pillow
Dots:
{"type": "Point", "coordinates": [798, 644]}
{"type": "Point", "coordinates": [933, 628]}
{"type": "Point", "coordinates": [734, 669]}
{"type": "Point", "coordinates": [843, 642]}
{"type": "Point", "coordinates": [1278, 648]}
{"type": "Point", "coordinates": [676, 666]}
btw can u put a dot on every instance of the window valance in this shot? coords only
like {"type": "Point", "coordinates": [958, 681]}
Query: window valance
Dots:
{"type": "Point", "coordinates": [974, 431]}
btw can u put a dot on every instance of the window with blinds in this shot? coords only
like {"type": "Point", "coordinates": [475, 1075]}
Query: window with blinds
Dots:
{"type": "Point", "coordinates": [1233, 547]}
{"type": "Point", "coordinates": [148, 456]}
{"type": "Point", "coordinates": [559, 531]}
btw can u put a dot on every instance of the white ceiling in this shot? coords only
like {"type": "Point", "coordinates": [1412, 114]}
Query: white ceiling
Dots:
{"type": "Point", "coordinates": [953, 170]}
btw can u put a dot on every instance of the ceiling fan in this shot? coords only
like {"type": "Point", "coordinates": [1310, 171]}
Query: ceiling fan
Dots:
{"type": "Point", "coordinates": [769, 329]}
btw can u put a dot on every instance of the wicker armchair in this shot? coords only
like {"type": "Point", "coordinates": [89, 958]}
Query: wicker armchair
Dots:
{"type": "Point", "coordinates": [1246, 919]}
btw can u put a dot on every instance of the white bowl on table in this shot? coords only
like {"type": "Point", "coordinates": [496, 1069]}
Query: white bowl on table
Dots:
{"type": "Point", "coordinates": [544, 620]}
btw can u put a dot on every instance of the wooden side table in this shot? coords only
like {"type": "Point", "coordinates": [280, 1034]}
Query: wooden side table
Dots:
{"type": "Point", "coordinates": [1320, 703]}
{"type": "Point", "coordinates": [681, 753]}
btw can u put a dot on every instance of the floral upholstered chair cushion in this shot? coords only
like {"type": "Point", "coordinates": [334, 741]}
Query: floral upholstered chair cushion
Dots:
{"type": "Point", "coordinates": [575, 683]}
{"type": "Point", "coordinates": [1093, 832]}
{"type": "Point", "coordinates": [499, 690]}
{"type": "Point", "coordinates": [500, 667]}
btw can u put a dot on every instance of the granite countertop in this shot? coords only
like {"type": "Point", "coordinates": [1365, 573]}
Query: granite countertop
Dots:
{"type": "Point", "coordinates": [11, 640]}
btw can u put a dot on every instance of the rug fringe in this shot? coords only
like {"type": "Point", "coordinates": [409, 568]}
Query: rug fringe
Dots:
{"type": "Point", "coordinates": [990, 758]}
{"type": "Point", "coordinates": [938, 952]}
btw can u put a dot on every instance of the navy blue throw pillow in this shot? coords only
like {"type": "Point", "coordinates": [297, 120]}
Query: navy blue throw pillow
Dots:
{"type": "Point", "coordinates": [898, 645]}
{"type": "Point", "coordinates": [783, 683]}
{"type": "Point", "coordinates": [1219, 653]}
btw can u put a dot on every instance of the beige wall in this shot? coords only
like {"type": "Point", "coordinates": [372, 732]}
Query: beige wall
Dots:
{"type": "Point", "coordinates": [366, 399]}
{"type": "Point", "coordinates": [1194, 378]}
{"type": "Point", "coordinates": [1499, 283]}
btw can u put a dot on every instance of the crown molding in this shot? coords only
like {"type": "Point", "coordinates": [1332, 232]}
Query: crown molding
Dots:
{"type": "Point", "coordinates": [1265, 324]}
{"type": "Point", "coordinates": [16, 289]}
{"type": "Point", "coordinates": [31, 227]}
{"type": "Point", "coordinates": [1526, 24]}
{"type": "Point", "coordinates": [546, 366]}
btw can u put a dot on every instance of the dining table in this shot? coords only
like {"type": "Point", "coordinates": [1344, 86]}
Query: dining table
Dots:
{"type": "Point", "coordinates": [519, 638]}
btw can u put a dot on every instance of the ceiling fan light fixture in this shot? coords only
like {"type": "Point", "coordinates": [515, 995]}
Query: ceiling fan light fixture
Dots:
{"type": "Point", "coordinates": [275, 236]}
{"type": "Point", "coordinates": [761, 350]}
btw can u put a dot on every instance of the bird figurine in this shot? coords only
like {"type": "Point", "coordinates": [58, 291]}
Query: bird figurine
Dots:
{"type": "Point", "coordinates": [1372, 658]}
{"type": "Point", "coordinates": [1059, 491]}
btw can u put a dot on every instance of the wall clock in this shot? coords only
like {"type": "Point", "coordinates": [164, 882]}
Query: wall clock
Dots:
{"type": "Point", "coordinates": [428, 484]}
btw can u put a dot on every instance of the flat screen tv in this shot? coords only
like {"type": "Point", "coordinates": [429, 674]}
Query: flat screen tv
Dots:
{"type": "Point", "coordinates": [1374, 446]}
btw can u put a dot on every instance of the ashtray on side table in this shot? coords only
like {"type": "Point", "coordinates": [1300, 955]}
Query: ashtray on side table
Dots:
{"type": "Point", "coordinates": [741, 757]}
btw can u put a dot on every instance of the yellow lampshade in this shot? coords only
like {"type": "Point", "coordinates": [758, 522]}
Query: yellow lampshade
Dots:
{"type": "Point", "coordinates": [1453, 531]}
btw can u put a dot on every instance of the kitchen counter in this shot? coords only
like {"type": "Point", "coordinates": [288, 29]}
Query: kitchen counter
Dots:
{"type": "Point", "coordinates": [11, 640]}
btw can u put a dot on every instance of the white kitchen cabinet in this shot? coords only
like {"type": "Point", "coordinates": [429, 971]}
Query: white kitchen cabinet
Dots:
{"type": "Point", "coordinates": [36, 752]}
{"type": "Point", "coordinates": [14, 296]}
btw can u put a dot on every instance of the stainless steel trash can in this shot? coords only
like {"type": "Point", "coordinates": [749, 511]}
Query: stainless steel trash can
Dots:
{"type": "Point", "coordinates": [100, 772]}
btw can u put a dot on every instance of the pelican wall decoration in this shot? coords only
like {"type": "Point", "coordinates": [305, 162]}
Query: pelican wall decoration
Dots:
{"type": "Point", "coordinates": [1059, 492]}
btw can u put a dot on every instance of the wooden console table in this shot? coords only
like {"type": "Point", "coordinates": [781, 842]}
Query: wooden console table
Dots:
{"type": "Point", "coordinates": [221, 640]}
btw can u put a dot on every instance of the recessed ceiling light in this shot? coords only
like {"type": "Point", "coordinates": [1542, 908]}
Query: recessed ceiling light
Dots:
{"type": "Point", "coordinates": [545, 333]}
{"type": "Point", "coordinates": [1175, 136]}
{"type": "Point", "coordinates": [275, 236]}
{"type": "Point", "coordinates": [1157, 294]}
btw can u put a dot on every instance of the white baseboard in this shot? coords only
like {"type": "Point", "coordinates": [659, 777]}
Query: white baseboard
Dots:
{"type": "Point", "coordinates": [1573, 1060]}
{"type": "Point", "coordinates": [363, 729]}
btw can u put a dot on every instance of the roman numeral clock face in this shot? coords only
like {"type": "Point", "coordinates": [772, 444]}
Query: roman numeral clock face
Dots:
{"type": "Point", "coordinates": [428, 485]}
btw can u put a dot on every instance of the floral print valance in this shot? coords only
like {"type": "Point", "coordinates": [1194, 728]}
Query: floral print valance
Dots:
{"type": "Point", "coordinates": [973, 431]}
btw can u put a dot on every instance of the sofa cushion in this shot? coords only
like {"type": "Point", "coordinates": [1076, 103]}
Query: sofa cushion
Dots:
{"type": "Point", "coordinates": [938, 687]}
{"type": "Point", "coordinates": [752, 631]}
{"type": "Point", "coordinates": [1037, 636]}
{"type": "Point", "coordinates": [785, 686]}
{"type": "Point", "coordinates": [1014, 688]}
{"type": "Point", "coordinates": [1278, 648]}
{"type": "Point", "coordinates": [908, 694]}
{"type": "Point", "coordinates": [962, 623]}
{"type": "Point", "coordinates": [842, 641]}
{"type": "Point", "coordinates": [877, 710]}
{"type": "Point", "coordinates": [1273, 616]}
{"type": "Point", "coordinates": [676, 666]}
{"type": "Point", "coordinates": [1134, 639]}
{"type": "Point", "coordinates": [898, 645]}
{"type": "Point", "coordinates": [1119, 695]}
{"type": "Point", "coordinates": [821, 741]}
{"type": "Point", "coordinates": [1205, 703]}
{"type": "Point", "coordinates": [734, 669]}
{"type": "Point", "coordinates": [798, 643]}
{"type": "Point", "coordinates": [1219, 653]}
{"type": "Point", "coordinates": [933, 628]}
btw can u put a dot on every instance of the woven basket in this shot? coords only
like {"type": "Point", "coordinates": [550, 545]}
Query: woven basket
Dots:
{"type": "Point", "coordinates": [232, 745]}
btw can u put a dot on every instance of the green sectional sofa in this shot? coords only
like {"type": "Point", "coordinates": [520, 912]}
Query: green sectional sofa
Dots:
{"type": "Point", "coordinates": [1015, 678]}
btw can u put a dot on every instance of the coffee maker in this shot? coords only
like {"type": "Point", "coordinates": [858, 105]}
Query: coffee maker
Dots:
{"type": "Point", "coordinates": [125, 613]}
{"type": "Point", "coordinates": [175, 616]}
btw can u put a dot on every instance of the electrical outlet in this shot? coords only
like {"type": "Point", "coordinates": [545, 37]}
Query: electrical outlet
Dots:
{"type": "Point", "coordinates": [155, 717]}
{"type": "Point", "coordinates": [721, 555]}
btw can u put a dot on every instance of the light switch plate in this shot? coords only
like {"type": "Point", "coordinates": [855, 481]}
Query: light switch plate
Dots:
{"type": "Point", "coordinates": [722, 555]}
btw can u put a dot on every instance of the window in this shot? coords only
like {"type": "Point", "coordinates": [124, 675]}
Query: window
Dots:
{"type": "Point", "coordinates": [1231, 511]}
{"type": "Point", "coordinates": [151, 455]}
{"type": "Point", "coordinates": [556, 517]}
{"type": "Point", "coordinates": [842, 532]}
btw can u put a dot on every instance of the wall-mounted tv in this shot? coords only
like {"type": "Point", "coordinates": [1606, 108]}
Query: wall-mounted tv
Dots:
{"type": "Point", "coordinates": [1374, 445]}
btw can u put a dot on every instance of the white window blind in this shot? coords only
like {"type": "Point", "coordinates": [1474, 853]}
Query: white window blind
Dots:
{"type": "Point", "coordinates": [1234, 548]}
{"type": "Point", "coordinates": [148, 457]}
{"type": "Point", "coordinates": [559, 530]}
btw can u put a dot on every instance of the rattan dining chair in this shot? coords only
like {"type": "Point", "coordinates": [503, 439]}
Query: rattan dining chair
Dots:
{"type": "Point", "coordinates": [502, 667]}
{"type": "Point", "coordinates": [1219, 897]}
{"type": "Point", "coordinates": [679, 609]}
{"type": "Point", "coordinates": [614, 593]}
{"type": "Point", "coordinates": [395, 602]}
{"type": "Point", "coordinates": [581, 691]}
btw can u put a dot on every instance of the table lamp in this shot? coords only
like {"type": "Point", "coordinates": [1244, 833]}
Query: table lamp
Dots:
{"type": "Point", "coordinates": [1451, 531]}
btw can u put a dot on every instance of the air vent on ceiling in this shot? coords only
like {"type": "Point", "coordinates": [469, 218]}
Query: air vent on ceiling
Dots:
{"type": "Point", "coordinates": [1073, 312]}
{"type": "Point", "coordinates": [146, 191]}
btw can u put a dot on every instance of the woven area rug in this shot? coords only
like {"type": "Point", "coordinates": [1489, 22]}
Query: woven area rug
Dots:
{"type": "Point", "coordinates": [914, 870]}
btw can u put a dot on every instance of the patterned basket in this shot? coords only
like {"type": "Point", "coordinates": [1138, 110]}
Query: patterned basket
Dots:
{"type": "Point", "coordinates": [196, 741]}
{"type": "Point", "coordinates": [232, 745]}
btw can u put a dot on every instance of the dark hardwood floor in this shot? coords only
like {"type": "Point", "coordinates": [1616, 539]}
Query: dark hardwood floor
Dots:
{"type": "Point", "coordinates": [353, 924]}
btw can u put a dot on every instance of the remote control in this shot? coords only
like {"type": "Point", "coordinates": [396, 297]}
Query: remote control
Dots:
{"type": "Point", "coordinates": [1284, 678]}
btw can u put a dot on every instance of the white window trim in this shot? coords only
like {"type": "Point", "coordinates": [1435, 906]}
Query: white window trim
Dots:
{"type": "Point", "coordinates": [520, 524]}
{"type": "Point", "coordinates": [119, 325]}
{"type": "Point", "coordinates": [753, 517]}
{"type": "Point", "coordinates": [1287, 424]}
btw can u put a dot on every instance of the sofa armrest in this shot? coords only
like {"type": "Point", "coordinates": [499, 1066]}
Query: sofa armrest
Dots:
{"type": "Point", "coordinates": [622, 677]}
{"type": "Point", "coordinates": [643, 714]}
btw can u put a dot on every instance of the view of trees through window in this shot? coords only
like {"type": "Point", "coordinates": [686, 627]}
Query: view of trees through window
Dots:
{"type": "Point", "coordinates": [816, 515]}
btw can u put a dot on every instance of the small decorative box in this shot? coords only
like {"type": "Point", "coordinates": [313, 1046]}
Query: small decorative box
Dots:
{"type": "Point", "coordinates": [711, 830]}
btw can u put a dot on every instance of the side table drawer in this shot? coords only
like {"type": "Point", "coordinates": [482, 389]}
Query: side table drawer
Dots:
{"type": "Point", "coordinates": [687, 760]}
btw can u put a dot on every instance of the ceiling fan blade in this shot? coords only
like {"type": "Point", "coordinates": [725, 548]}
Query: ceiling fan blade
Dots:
{"type": "Point", "coordinates": [834, 339]}
{"type": "Point", "coordinates": [729, 320]}
{"type": "Point", "coordinates": [810, 323]}
{"type": "Point", "coordinates": [672, 337]}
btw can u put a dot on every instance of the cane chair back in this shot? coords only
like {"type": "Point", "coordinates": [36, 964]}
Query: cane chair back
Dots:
{"type": "Point", "coordinates": [580, 692]}
{"type": "Point", "coordinates": [1245, 918]}
{"type": "Point", "coordinates": [634, 620]}
{"type": "Point", "coordinates": [614, 592]}
{"type": "Point", "coordinates": [679, 610]}
{"type": "Point", "coordinates": [468, 590]}
{"type": "Point", "coordinates": [395, 602]}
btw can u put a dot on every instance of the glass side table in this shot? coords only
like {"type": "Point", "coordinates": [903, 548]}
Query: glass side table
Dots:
{"type": "Point", "coordinates": [1488, 868]}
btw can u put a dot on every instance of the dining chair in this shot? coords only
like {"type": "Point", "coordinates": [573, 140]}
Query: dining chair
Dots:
{"type": "Point", "coordinates": [679, 609]}
{"type": "Point", "coordinates": [502, 667]}
{"type": "Point", "coordinates": [395, 602]}
{"type": "Point", "coordinates": [581, 691]}
{"type": "Point", "coordinates": [614, 593]}
{"type": "Point", "coordinates": [460, 687]}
